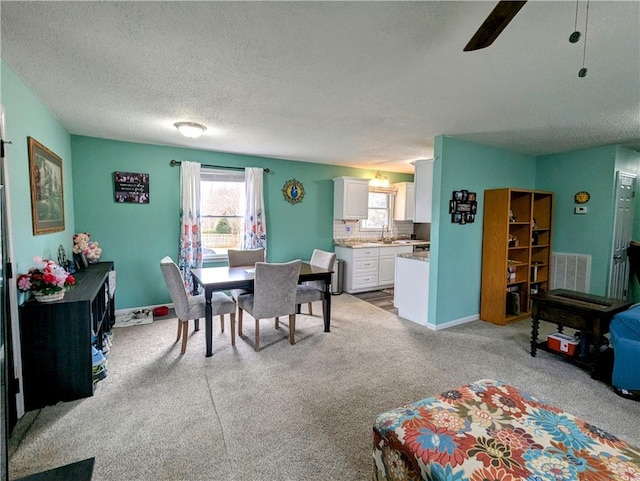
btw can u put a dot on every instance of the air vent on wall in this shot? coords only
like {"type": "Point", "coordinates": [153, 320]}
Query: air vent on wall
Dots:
{"type": "Point", "coordinates": [571, 271]}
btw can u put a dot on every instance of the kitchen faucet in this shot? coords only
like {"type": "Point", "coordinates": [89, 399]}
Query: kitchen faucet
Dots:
{"type": "Point", "coordinates": [382, 233]}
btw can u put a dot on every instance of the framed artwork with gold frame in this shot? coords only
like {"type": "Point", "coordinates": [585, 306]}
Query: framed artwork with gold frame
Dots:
{"type": "Point", "coordinates": [47, 189]}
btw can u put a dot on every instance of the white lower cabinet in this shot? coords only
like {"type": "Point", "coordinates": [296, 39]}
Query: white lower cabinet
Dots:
{"type": "Point", "coordinates": [411, 293]}
{"type": "Point", "coordinates": [369, 269]}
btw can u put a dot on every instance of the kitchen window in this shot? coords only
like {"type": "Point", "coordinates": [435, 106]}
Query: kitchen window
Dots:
{"type": "Point", "coordinates": [222, 212]}
{"type": "Point", "coordinates": [379, 211]}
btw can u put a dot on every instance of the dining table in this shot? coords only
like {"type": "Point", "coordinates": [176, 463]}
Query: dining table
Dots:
{"type": "Point", "coordinates": [215, 279]}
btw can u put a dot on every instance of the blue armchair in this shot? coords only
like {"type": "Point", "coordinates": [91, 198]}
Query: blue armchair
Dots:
{"type": "Point", "coordinates": [625, 340]}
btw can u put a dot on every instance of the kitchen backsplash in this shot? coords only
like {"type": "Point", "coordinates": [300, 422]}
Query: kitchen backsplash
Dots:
{"type": "Point", "coordinates": [350, 230]}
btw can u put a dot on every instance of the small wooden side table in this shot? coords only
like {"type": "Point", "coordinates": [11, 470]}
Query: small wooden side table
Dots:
{"type": "Point", "coordinates": [587, 313]}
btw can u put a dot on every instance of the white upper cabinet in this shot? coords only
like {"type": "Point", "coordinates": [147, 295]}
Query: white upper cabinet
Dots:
{"type": "Point", "coordinates": [423, 180]}
{"type": "Point", "coordinates": [405, 201]}
{"type": "Point", "coordinates": [350, 198]}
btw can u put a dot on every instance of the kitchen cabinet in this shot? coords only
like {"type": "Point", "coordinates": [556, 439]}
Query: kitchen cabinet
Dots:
{"type": "Point", "coordinates": [350, 198]}
{"type": "Point", "coordinates": [411, 292]}
{"type": "Point", "coordinates": [423, 180]}
{"type": "Point", "coordinates": [370, 268]}
{"type": "Point", "coordinates": [516, 252]}
{"type": "Point", "coordinates": [404, 201]}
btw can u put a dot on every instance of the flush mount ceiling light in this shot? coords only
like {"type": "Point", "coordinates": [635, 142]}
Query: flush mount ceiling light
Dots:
{"type": "Point", "coordinates": [192, 130]}
{"type": "Point", "coordinates": [379, 180]}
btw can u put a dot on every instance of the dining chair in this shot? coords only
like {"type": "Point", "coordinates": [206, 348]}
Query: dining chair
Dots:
{"type": "Point", "coordinates": [274, 295]}
{"type": "Point", "coordinates": [244, 258]}
{"type": "Point", "coordinates": [312, 291]}
{"type": "Point", "coordinates": [193, 307]}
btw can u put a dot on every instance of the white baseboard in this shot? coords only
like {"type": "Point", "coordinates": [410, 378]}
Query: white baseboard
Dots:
{"type": "Point", "coordinates": [455, 322]}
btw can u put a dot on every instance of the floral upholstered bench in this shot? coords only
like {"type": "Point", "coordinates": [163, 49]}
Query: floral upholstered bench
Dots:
{"type": "Point", "coordinates": [491, 431]}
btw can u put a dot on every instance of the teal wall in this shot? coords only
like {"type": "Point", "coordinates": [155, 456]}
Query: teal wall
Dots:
{"type": "Point", "coordinates": [137, 236]}
{"type": "Point", "coordinates": [456, 250]}
{"type": "Point", "coordinates": [592, 170]}
{"type": "Point", "coordinates": [27, 116]}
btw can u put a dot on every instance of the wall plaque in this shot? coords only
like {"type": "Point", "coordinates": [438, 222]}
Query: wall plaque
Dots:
{"type": "Point", "coordinates": [131, 187]}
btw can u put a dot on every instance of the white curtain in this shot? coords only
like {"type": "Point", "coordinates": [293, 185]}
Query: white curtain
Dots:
{"type": "Point", "coordinates": [190, 256]}
{"type": "Point", "coordinates": [255, 222]}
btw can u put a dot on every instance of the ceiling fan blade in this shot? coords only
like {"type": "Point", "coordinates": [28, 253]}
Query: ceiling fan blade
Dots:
{"type": "Point", "coordinates": [495, 23]}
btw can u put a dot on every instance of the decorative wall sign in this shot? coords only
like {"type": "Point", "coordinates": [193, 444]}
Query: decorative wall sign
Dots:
{"type": "Point", "coordinates": [463, 207]}
{"type": "Point", "coordinates": [293, 191]}
{"type": "Point", "coordinates": [131, 187]}
{"type": "Point", "coordinates": [47, 193]}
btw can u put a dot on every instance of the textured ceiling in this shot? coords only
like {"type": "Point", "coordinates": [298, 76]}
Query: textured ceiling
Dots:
{"type": "Point", "coordinates": [364, 84]}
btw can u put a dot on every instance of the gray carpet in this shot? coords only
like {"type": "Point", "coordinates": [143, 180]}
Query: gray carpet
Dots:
{"type": "Point", "coordinates": [296, 413]}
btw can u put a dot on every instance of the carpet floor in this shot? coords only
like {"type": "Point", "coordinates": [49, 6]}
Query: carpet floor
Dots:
{"type": "Point", "coordinates": [287, 413]}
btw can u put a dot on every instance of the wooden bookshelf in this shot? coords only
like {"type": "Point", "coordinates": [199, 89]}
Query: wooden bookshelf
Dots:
{"type": "Point", "coordinates": [516, 252]}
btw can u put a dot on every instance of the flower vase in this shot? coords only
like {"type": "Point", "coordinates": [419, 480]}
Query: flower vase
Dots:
{"type": "Point", "coordinates": [56, 296]}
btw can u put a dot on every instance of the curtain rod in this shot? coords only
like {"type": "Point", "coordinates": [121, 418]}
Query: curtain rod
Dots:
{"type": "Point", "coordinates": [173, 163]}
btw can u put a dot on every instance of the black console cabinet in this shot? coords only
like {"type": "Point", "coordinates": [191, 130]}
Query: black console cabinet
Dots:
{"type": "Point", "coordinates": [56, 338]}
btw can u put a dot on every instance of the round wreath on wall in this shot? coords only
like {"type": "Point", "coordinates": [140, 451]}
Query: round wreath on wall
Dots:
{"type": "Point", "coordinates": [293, 191]}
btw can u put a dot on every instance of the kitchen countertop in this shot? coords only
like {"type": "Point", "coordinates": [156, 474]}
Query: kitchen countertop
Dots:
{"type": "Point", "coordinates": [417, 256]}
{"type": "Point", "coordinates": [396, 243]}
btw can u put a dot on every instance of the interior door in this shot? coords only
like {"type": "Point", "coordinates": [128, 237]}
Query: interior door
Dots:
{"type": "Point", "coordinates": [13, 354]}
{"type": "Point", "coordinates": [622, 232]}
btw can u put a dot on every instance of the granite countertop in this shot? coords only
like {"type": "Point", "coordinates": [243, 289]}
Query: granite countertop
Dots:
{"type": "Point", "coordinates": [358, 244]}
{"type": "Point", "coordinates": [423, 256]}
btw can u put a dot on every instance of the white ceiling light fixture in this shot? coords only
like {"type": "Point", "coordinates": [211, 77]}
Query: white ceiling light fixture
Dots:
{"type": "Point", "coordinates": [379, 181]}
{"type": "Point", "coordinates": [191, 130]}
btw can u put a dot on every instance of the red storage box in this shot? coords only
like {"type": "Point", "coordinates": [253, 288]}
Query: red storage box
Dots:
{"type": "Point", "coordinates": [562, 343]}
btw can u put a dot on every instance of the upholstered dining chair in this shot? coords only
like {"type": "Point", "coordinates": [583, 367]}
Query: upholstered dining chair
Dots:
{"type": "Point", "coordinates": [312, 291]}
{"type": "Point", "coordinates": [244, 258]}
{"type": "Point", "coordinates": [193, 307]}
{"type": "Point", "coordinates": [274, 295]}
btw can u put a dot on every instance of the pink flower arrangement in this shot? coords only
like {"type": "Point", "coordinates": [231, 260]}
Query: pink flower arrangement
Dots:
{"type": "Point", "coordinates": [46, 277]}
{"type": "Point", "coordinates": [82, 244]}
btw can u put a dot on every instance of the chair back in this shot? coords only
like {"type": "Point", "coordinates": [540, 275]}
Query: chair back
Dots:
{"type": "Point", "coordinates": [175, 286]}
{"type": "Point", "coordinates": [323, 259]}
{"type": "Point", "coordinates": [275, 289]}
{"type": "Point", "coordinates": [246, 257]}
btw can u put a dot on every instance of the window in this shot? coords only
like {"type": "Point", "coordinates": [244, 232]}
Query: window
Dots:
{"type": "Point", "coordinates": [379, 211]}
{"type": "Point", "coordinates": [222, 208]}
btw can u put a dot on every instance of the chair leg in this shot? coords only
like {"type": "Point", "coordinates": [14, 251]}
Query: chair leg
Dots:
{"type": "Point", "coordinates": [185, 336]}
{"type": "Point", "coordinates": [292, 328]}
{"type": "Point", "coordinates": [221, 322]}
{"type": "Point", "coordinates": [310, 309]}
{"type": "Point", "coordinates": [277, 323]}
{"type": "Point", "coordinates": [179, 330]}
{"type": "Point", "coordinates": [257, 335]}
{"type": "Point", "coordinates": [239, 321]}
{"type": "Point", "coordinates": [233, 328]}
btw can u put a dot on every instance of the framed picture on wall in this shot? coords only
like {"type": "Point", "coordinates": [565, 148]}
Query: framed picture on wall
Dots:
{"type": "Point", "coordinates": [131, 187]}
{"type": "Point", "coordinates": [47, 193]}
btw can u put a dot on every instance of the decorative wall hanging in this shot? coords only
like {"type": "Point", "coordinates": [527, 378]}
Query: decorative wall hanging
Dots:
{"type": "Point", "coordinates": [581, 197]}
{"type": "Point", "coordinates": [293, 191]}
{"type": "Point", "coordinates": [463, 207]}
{"type": "Point", "coordinates": [131, 187]}
{"type": "Point", "coordinates": [47, 193]}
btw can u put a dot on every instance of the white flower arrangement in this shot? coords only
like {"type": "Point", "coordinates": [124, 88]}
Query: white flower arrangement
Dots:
{"type": "Point", "coordinates": [82, 244]}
